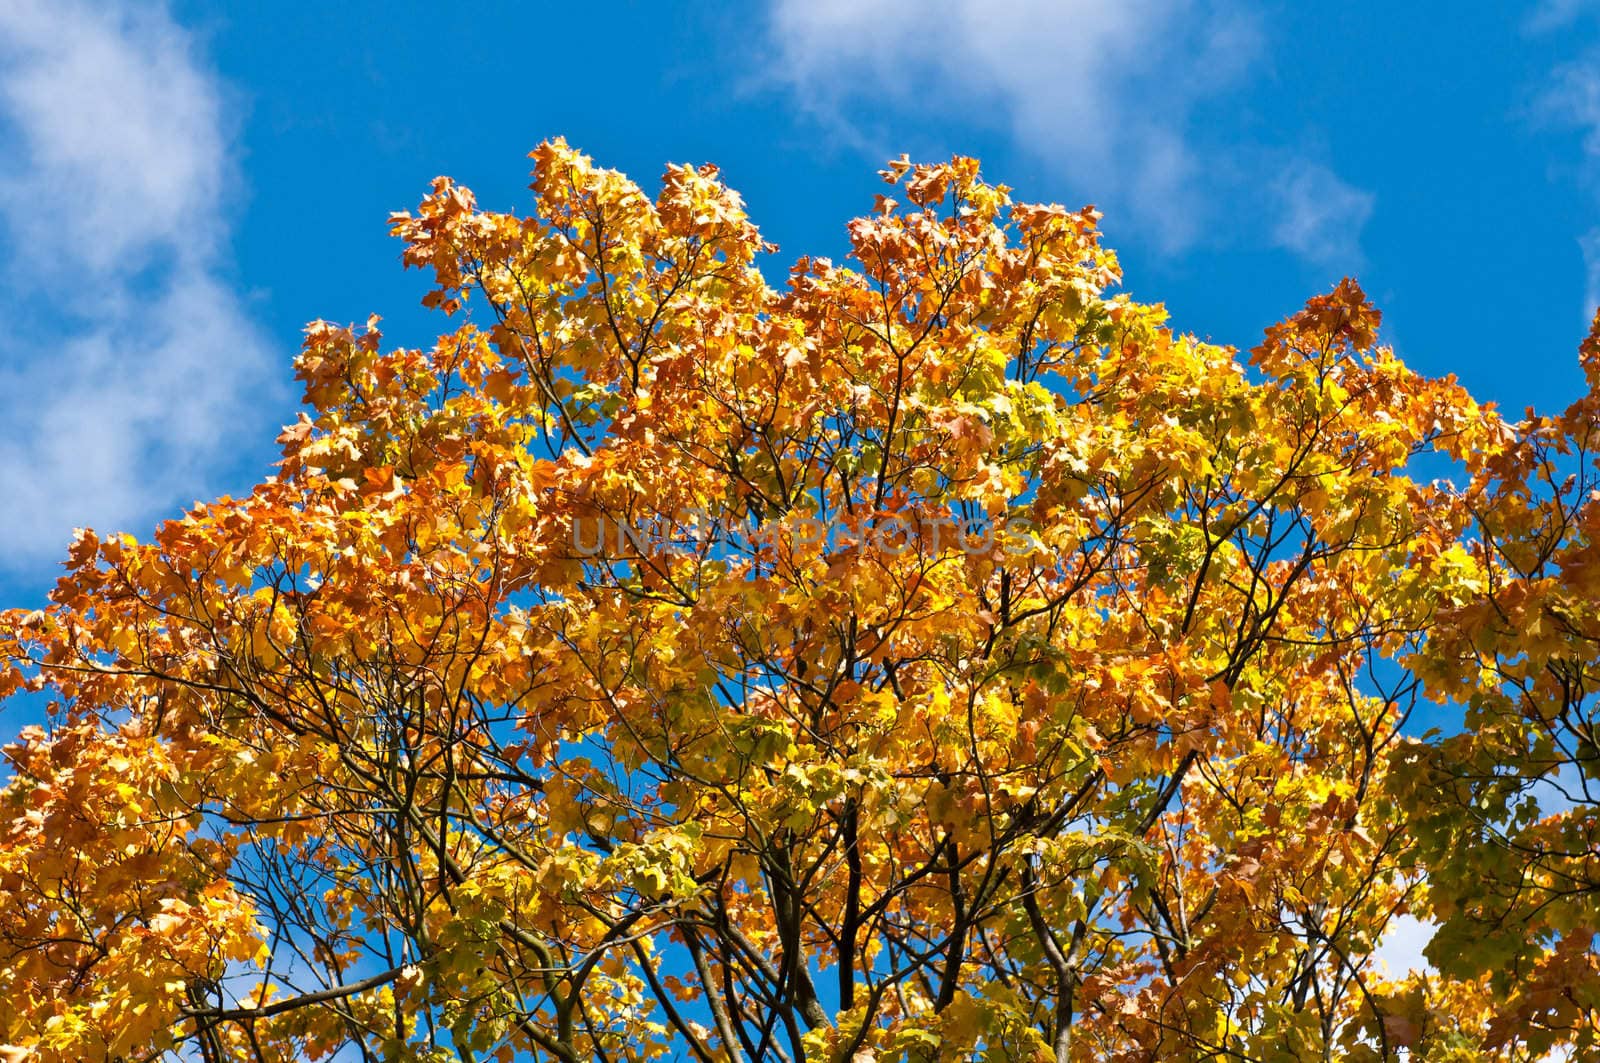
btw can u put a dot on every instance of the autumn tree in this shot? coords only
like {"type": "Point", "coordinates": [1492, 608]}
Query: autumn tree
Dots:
{"type": "Point", "coordinates": [1506, 814]}
{"type": "Point", "coordinates": [932, 657]}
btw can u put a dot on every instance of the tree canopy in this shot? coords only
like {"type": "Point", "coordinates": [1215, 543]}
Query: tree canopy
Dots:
{"type": "Point", "coordinates": [930, 657]}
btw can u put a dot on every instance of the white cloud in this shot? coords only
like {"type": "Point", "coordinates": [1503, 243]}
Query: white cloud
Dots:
{"type": "Point", "coordinates": [1110, 95]}
{"type": "Point", "coordinates": [1557, 14]}
{"type": "Point", "coordinates": [1320, 217]}
{"type": "Point", "coordinates": [130, 369]}
{"type": "Point", "coordinates": [1571, 99]}
{"type": "Point", "coordinates": [1589, 245]}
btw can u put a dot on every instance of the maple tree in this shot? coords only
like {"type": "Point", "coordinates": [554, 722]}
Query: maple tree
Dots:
{"type": "Point", "coordinates": [933, 657]}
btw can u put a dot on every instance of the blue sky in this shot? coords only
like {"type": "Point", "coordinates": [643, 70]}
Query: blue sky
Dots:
{"type": "Point", "coordinates": [182, 187]}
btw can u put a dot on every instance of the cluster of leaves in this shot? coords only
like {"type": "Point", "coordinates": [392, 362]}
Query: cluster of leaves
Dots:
{"type": "Point", "coordinates": [406, 755]}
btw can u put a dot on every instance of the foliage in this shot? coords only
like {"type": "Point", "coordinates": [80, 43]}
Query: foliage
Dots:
{"type": "Point", "coordinates": [935, 657]}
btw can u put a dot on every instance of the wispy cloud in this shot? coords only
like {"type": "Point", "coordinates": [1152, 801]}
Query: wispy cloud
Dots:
{"type": "Point", "coordinates": [1319, 216]}
{"type": "Point", "coordinates": [1589, 246]}
{"type": "Point", "coordinates": [1557, 14]}
{"type": "Point", "coordinates": [129, 367]}
{"type": "Point", "coordinates": [1570, 99]}
{"type": "Point", "coordinates": [1121, 99]}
